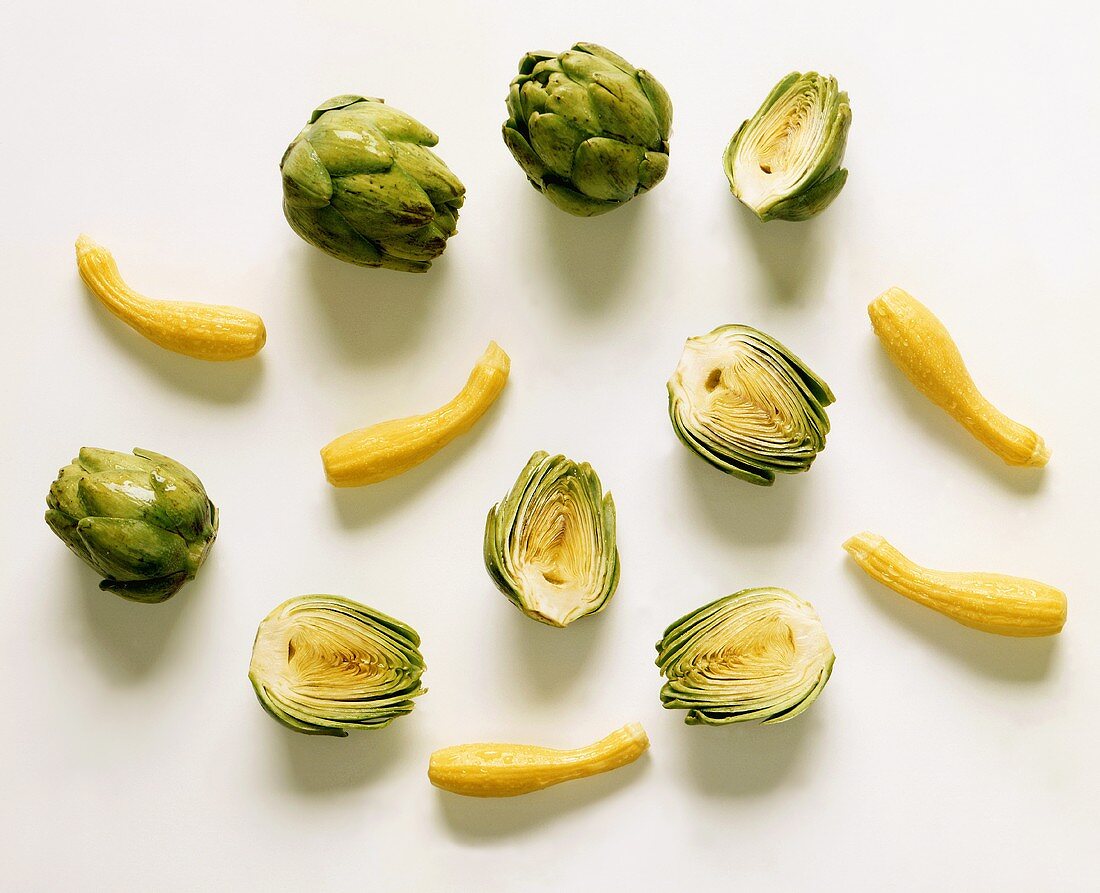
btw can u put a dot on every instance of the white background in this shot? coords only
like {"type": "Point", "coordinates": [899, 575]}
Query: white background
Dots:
{"type": "Point", "coordinates": [135, 755]}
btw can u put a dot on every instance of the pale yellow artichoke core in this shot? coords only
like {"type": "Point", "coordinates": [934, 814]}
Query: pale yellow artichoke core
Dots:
{"type": "Point", "coordinates": [556, 559]}
{"type": "Point", "coordinates": [735, 391]}
{"type": "Point", "coordinates": [315, 663]}
{"type": "Point", "coordinates": [764, 646]}
{"type": "Point", "coordinates": [780, 148]}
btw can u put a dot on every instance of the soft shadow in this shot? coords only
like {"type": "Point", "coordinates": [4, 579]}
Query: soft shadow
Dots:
{"type": "Point", "coordinates": [788, 251]}
{"type": "Point", "coordinates": [592, 255]}
{"type": "Point", "coordinates": [741, 511]}
{"type": "Point", "coordinates": [1003, 657]}
{"type": "Point", "coordinates": [373, 315]}
{"type": "Point", "coordinates": [221, 382]}
{"type": "Point", "coordinates": [357, 506]}
{"type": "Point", "coordinates": [745, 759]}
{"type": "Point", "coordinates": [477, 819]}
{"type": "Point", "coordinates": [554, 659]}
{"type": "Point", "coordinates": [127, 638]}
{"type": "Point", "coordinates": [319, 764]}
{"type": "Point", "coordinates": [943, 427]}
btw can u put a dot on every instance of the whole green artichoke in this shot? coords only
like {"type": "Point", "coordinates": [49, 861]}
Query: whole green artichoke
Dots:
{"type": "Point", "coordinates": [143, 521]}
{"type": "Point", "coordinates": [361, 183]}
{"type": "Point", "coordinates": [588, 128]}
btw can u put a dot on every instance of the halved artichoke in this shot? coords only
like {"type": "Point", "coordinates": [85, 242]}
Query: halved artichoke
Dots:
{"type": "Point", "coordinates": [759, 654]}
{"type": "Point", "coordinates": [784, 161]}
{"type": "Point", "coordinates": [747, 405]}
{"type": "Point", "coordinates": [322, 664]}
{"type": "Point", "coordinates": [550, 543]}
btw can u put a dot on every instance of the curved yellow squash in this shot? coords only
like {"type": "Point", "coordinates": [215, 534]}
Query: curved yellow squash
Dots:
{"type": "Point", "coordinates": [505, 770]}
{"type": "Point", "coordinates": [993, 603]}
{"type": "Point", "coordinates": [388, 449]}
{"type": "Point", "coordinates": [921, 347]}
{"type": "Point", "coordinates": [202, 331]}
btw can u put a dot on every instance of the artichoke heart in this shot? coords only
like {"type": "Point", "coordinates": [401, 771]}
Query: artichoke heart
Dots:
{"type": "Point", "coordinates": [784, 162]}
{"type": "Point", "coordinates": [550, 543]}
{"type": "Point", "coordinates": [323, 664]}
{"type": "Point", "coordinates": [759, 654]}
{"type": "Point", "coordinates": [140, 520]}
{"type": "Point", "coordinates": [747, 405]}
{"type": "Point", "coordinates": [361, 183]}
{"type": "Point", "coordinates": [589, 129]}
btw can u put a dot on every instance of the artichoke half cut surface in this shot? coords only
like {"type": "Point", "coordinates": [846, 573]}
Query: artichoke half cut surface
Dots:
{"type": "Point", "coordinates": [361, 183]}
{"type": "Point", "coordinates": [589, 129]}
{"type": "Point", "coordinates": [784, 162]}
{"type": "Point", "coordinates": [323, 664]}
{"type": "Point", "coordinates": [759, 654]}
{"type": "Point", "coordinates": [747, 405]}
{"type": "Point", "coordinates": [141, 520]}
{"type": "Point", "coordinates": [550, 543]}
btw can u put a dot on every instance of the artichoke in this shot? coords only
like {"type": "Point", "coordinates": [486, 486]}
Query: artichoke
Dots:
{"type": "Point", "coordinates": [550, 543]}
{"type": "Point", "coordinates": [362, 184]}
{"type": "Point", "coordinates": [747, 405]}
{"type": "Point", "coordinates": [588, 128]}
{"type": "Point", "coordinates": [784, 162]}
{"type": "Point", "coordinates": [143, 521]}
{"type": "Point", "coordinates": [323, 664]}
{"type": "Point", "coordinates": [759, 654]}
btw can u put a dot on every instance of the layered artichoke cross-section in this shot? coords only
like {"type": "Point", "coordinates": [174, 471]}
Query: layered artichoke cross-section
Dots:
{"type": "Point", "coordinates": [361, 183]}
{"type": "Point", "coordinates": [589, 129]}
{"type": "Point", "coordinates": [550, 543]}
{"type": "Point", "coordinates": [324, 664]}
{"type": "Point", "coordinates": [784, 162]}
{"type": "Point", "coordinates": [757, 655]}
{"type": "Point", "coordinates": [747, 405]}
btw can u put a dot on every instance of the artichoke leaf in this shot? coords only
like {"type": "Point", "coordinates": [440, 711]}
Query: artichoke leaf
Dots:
{"type": "Point", "coordinates": [349, 144]}
{"type": "Point", "coordinates": [607, 169]}
{"type": "Point", "coordinates": [594, 49]}
{"type": "Point", "coordinates": [554, 142]}
{"type": "Point", "coordinates": [133, 550]}
{"type": "Point", "coordinates": [576, 203]}
{"type": "Point", "coordinates": [384, 204]}
{"type": "Point", "coordinates": [305, 180]}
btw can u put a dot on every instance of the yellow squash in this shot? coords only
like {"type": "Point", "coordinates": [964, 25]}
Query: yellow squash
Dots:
{"type": "Point", "coordinates": [993, 603]}
{"type": "Point", "coordinates": [505, 770]}
{"type": "Point", "coordinates": [388, 449]}
{"type": "Point", "coordinates": [202, 331]}
{"type": "Point", "coordinates": [921, 347]}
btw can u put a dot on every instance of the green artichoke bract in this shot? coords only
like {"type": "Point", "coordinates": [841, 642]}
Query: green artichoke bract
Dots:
{"type": "Point", "coordinates": [759, 654]}
{"type": "Point", "coordinates": [323, 664]}
{"type": "Point", "coordinates": [550, 543]}
{"type": "Point", "coordinates": [747, 405]}
{"type": "Point", "coordinates": [361, 183]}
{"type": "Point", "coordinates": [784, 162]}
{"type": "Point", "coordinates": [143, 521]}
{"type": "Point", "coordinates": [588, 128]}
